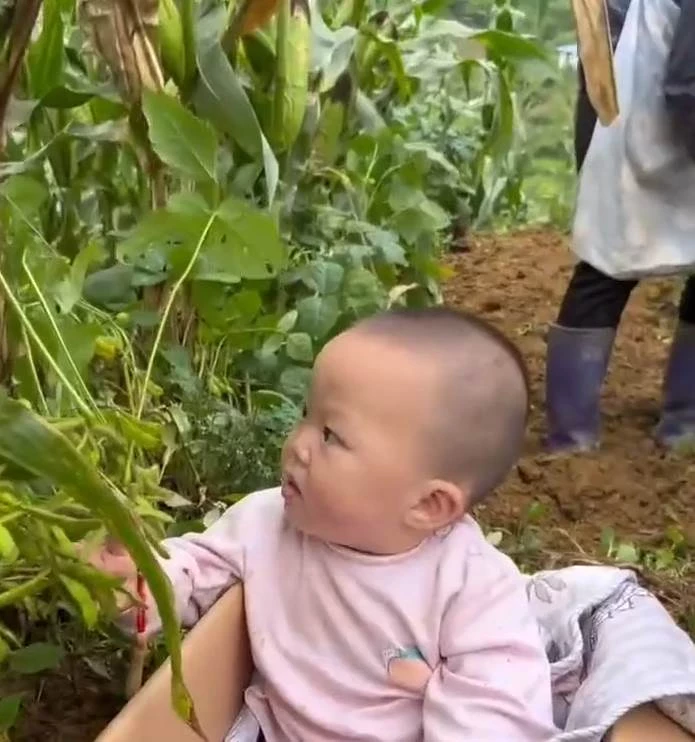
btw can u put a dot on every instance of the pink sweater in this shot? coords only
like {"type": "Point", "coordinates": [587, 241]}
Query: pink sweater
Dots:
{"type": "Point", "coordinates": [436, 644]}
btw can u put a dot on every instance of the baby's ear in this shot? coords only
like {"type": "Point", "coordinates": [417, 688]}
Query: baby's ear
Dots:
{"type": "Point", "coordinates": [440, 504]}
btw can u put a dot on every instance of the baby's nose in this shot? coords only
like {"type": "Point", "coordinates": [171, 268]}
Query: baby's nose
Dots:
{"type": "Point", "coordinates": [300, 446]}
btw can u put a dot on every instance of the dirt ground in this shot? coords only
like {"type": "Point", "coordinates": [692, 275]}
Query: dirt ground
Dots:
{"type": "Point", "coordinates": [517, 281]}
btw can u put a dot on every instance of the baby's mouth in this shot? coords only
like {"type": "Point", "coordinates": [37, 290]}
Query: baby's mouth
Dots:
{"type": "Point", "coordinates": [290, 489]}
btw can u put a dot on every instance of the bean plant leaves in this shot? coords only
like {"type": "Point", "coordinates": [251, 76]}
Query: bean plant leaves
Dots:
{"type": "Point", "coordinates": [83, 599]}
{"type": "Point", "coordinates": [317, 315]}
{"type": "Point", "coordinates": [299, 347]}
{"type": "Point", "coordinates": [243, 242]}
{"type": "Point", "coordinates": [35, 658]}
{"type": "Point", "coordinates": [9, 711]}
{"type": "Point", "coordinates": [40, 449]}
{"type": "Point", "coordinates": [8, 548]}
{"type": "Point", "coordinates": [183, 141]}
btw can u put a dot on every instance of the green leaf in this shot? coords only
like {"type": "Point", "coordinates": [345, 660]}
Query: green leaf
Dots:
{"type": "Point", "coordinates": [294, 381]}
{"type": "Point", "coordinates": [363, 291]}
{"type": "Point", "coordinates": [19, 112]}
{"type": "Point", "coordinates": [37, 657]}
{"type": "Point", "coordinates": [323, 276]}
{"type": "Point", "coordinates": [502, 133]}
{"type": "Point", "coordinates": [510, 45]}
{"type": "Point", "coordinates": [272, 344]}
{"type": "Point", "coordinates": [390, 50]}
{"type": "Point", "coordinates": [299, 347]}
{"type": "Point", "coordinates": [31, 444]}
{"type": "Point", "coordinates": [243, 243]}
{"type": "Point", "coordinates": [111, 288]}
{"type": "Point", "coordinates": [317, 315]}
{"type": "Point", "coordinates": [46, 57]}
{"type": "Point", "coordinates": [33, 162]}
{"type": "Point", "coordinates": [432, 155]}
{"type": "Point", "coordinates": [166, 237]}
{"type": "Point", "coordinates": [69, 291]}
{"type": "Point", "coordinates": [9, 711]}
{"type": "Point", "coordinates": [83, 599]}
{"type": "Point", "coordinates": [80, 340]}
{"type": "Point", "coordinates": [288, 321]}
{"type": "Point", "coordinates": [108, 131]}
{"type": "Point", "coordinates": [21, 200]}
{"type": "Point", "coordinates": [4, 650]}
{"type": "Point", "coordinates": [627, 552]}
{"type": "Point", "coordinates": [8, 548]}
{"type": "Point", "coordinates": [331, 50]}
{"type": "Point", "coordinates": [183, 141]}
{"type": "Point", "coordinates": [428, 217]}
{"type": "Point", "coordinates": [221, 98]}
{"type": "Point", "coordinates": [144, 434]}
{"type": "Point", "coordinates": [607, 540]}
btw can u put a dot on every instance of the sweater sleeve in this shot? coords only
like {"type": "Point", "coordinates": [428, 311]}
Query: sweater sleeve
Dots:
{"type": "Point", "coordinates": [201, 566]}
{"type": "Point", "coordinates": [493, 681]}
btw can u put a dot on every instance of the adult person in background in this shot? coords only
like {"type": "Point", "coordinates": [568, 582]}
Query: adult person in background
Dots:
{"type": "Point", "coordinates": [581, 341]}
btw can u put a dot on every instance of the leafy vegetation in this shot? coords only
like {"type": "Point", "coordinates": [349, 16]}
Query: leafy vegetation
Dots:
{"type": "Point", "coordinates": [196, 196]}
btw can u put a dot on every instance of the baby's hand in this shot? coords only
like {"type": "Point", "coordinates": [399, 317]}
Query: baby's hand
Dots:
{"type": "Point", "coordinates": [113, 559]}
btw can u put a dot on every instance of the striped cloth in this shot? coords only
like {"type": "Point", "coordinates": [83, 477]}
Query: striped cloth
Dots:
{"type": "Point", "coordinates": [612, 647]}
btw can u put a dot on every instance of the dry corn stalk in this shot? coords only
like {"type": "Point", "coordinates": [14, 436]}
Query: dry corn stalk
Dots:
{"type": "Point", "coordinates": [21, 17]}
{"type": "Point", "coordinates": [596, 54]}
{"type": "Point", "coordinates": [124, 32]}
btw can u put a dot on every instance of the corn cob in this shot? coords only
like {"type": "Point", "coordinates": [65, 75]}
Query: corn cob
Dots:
{"type": "Point", "coordinates": [293, 52]}
{"type": "Point", "coordinates": [171, 45]}
{"type": "Point", "coordinates": [332, 121]}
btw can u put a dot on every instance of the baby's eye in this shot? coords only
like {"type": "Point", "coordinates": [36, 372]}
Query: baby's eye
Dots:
{"type": "Point", "coordinates": [329, 436]}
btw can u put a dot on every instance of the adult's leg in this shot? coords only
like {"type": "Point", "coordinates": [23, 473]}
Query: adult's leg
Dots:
{"type": "Point", "coordinates": [580, 343]}
{"type": "Point", "coordinates": [677, 424]}
{"type": "Point", "coordinates": [579, 349]}
{"type": "Point", "coordinates": [647, 724]}
{"type": "Point", "coordinates": [584, 121]}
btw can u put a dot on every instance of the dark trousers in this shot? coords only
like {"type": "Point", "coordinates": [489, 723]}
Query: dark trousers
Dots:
{"type": "Point", "coordinates": [593, 299]}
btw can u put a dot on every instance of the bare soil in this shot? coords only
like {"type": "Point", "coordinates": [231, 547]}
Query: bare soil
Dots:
{"type": "Point", "coordinates": [631, 485]}
{"type": "Point", "coordinates": [517, 281]}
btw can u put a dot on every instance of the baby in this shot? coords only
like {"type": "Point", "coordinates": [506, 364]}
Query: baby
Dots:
{"type": "Point", "coordinates": [375, 607]}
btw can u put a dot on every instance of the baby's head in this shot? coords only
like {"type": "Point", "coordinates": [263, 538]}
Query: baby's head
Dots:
{"type": "Point", "coordinates": [413, 416]}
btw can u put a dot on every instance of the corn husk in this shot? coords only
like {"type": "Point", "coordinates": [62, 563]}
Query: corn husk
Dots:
{"type": "Point", "coordinates": [596, 54]}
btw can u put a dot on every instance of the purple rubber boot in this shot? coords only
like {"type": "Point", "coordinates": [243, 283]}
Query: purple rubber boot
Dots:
{"type": "Point", "coordinates": [677, 425]}
{"type": "Point", "coordinates": [576, 364]}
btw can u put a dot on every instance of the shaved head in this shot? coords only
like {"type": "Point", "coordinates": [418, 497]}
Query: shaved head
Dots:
{"type": "Point", "coordinates": [476, 432]}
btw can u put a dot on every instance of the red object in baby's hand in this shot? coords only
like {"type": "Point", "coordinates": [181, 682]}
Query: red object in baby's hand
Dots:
{"type": "Point", "coordinates": [141, 615]}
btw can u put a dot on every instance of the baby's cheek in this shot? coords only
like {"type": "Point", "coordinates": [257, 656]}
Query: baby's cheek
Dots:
{"type": "Point", "coordinates": [409, 672]}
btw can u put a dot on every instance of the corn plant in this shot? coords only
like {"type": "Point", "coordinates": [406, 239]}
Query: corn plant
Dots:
{"type": "Point", "coordinates": [194, 197]}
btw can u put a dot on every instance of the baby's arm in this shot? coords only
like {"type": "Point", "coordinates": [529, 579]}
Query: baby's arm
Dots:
{"type": "Point", "coordinates": [201, 566]}
{"type": "Point", "coordinates": [493, 682]}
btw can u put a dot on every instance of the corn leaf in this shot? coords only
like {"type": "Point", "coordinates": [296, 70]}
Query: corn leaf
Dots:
{"type": "Point", "coordinates": [38, 448]}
